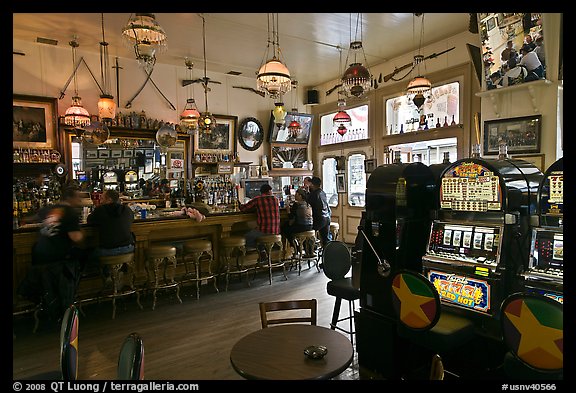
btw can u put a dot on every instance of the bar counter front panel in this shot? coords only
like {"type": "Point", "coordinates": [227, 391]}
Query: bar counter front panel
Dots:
{"type": "Point", "coordinates": [150, 231]}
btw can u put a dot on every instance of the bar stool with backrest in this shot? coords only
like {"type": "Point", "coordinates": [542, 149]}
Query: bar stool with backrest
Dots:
{"type": "Point", "coordinates": [305, 243]}
{"type": "Point", "coordinates": [199, 253]}
{"type": "Point", "coordinates": [421, 320]}
{"type": "Point", "coordinates": [116, 264]}
{"type": "Point", "coordinates": [268, 242]}
{"type": "Point", "coordinates": [160, 268]}
{"type": "Point", "coordinates": [337, 262]}
{"type": "Point", "coordinates": [233, 253]}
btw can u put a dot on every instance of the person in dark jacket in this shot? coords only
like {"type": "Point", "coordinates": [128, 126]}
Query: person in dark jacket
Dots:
{"type": "Point", "coordinates": [114, 221]}
{"type": "Point", "coordinates": [321, 213]}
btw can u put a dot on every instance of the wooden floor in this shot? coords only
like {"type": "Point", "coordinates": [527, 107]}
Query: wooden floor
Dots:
{"type": "Point", "coordinates": [188, 341]}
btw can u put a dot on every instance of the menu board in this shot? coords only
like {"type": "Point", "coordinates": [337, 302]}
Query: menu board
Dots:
{"type": "Point", "coordinates": [470, 187]}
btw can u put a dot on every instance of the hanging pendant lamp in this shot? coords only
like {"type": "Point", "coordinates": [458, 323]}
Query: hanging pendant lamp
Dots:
{"type": "Point", "coordinates": [146, 37]}
{"type": "Point", "coordinates": [273, 77]}
{"type": "Point", "coordinates": [76, 115]}
{"type": "Point", "coordinates": [420, 85]}
{"type": "Point", "coordinates": [206, 121]}
{"type": "Point", "coordinates": [356, 80]}
{"type": "Point", "coordinates": [190, 114]}
{"type": "Point", "coordinates": [106, 104]}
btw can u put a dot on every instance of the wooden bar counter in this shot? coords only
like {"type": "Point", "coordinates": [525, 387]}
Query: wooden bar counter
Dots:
{"type": "Point", "coordinates": [160, 228]}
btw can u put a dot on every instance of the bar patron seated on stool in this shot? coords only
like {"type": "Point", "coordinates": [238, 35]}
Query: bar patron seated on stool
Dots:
{"type": "Point", "coordinates": [114, 222]}
{"type": "Point", "coordinates": [266, 207]}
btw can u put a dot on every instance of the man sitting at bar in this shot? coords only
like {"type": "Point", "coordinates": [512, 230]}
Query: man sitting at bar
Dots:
{"type": "Point", "coordinates": [267, 209]}
{"type": "Point", "coordinates": [114, 221]}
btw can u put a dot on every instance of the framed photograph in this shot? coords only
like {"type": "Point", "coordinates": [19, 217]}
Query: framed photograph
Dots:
{"type": "Point", "coordinates": [537, 160]}
{"type": "Point", "coordinates": [34, 121]}
{"type": "Point", "coordinates": [116, 153]}
{"type": "Point", "coordinates": [141, 151]}
{"type": "Point", "coordinates": [250, 133]}
{"type": "Point", "coordinates": [105, 153]}
{"type": "Point", "coordinates": [521, 134]}
{"type": "Point", "coordinates": [148, 165]}
{"type": "Point", "coordinates": [221, 140]}
{"type": "Point", "coordinates": [148, 153]}
{"type": "Point", "coordinates": [128, 153]}
{"type": "Point", "coordinates": [282, 134]}
{"type": "Point", "coordinates": [369, 165]}
{"type": "Point", "coordinates": [340, 182]}
{"type": "Point", "coordinates": [491, 23]}
{"type": "Point", "coordinates": [111, 162]}
{"type": "Point", "coordinates": [91, 154]}
{"type": "Point", "coordinates": [225, 167]}
{"type": "Point", "coordinates": [176, 159]}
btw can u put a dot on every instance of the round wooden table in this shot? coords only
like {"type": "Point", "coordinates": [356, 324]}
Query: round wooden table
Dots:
{"type": "Point", "coordinates": [278, 353]}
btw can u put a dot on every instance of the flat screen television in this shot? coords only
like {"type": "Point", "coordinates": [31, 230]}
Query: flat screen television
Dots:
{"type": "Point", "coordinates": [252, 186]}
{"type": "Point", "coordinates": [281, 134]}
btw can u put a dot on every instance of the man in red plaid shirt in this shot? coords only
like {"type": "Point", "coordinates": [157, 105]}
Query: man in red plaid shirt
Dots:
{"type": "Point", "coordinates": [266, 206]}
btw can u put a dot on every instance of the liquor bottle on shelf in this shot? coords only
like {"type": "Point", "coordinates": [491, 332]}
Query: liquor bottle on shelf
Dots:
{"type": "Point", "coordinates": [453, 123]}
{"type": "Point", "coordinates": [445, 121]}
{"type": "Point", "coordinates": [402, 128]}
{"type": "Point", "coordinates": [438, 125]}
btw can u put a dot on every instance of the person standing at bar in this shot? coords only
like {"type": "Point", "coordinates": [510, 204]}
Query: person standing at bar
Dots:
{"type": "Point", "coordinates": [321, 213]}
{"type": "Point", "coordinates": [114, 222]}
{"type": "Point", "coordinates": [55, 256]}
{"type": "Point", "coordinates": [267, 209]}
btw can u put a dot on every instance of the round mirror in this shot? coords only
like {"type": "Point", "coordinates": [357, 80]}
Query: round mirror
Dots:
{"type": "Point", "coordinates": [251, 133]}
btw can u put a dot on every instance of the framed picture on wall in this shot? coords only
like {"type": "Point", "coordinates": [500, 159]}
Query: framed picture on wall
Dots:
{"type": "Point", "coordinates": [340, 183]}
{"type": "Point", "coordinates": [222, 139]}
{"type": "Point", "coordinates": [34, 121]}
{"type": "Point", "coordinates": [91, 153]}
{"type": "Point", "coordinates": [521, 134]}
{"type": "Point", "coordinates": [104, 153]}
{"type": "Point", "coordinates": [128, 153]}
{"type": "Point", "coordinates": [283, 134]}
{"type": "Point", "coordinates": [369, 165]}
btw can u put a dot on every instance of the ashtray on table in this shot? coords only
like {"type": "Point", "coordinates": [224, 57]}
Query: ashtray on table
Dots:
{"type": "Point", "coordinates": [315, 351]}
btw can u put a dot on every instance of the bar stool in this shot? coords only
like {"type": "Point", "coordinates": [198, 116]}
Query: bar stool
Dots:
{"type": "Point", "coordinates": [334, 230]}
{"type": "Point", "coordinates": [305, 243]}
{"type": "Point", "coordinates": [115, 264]}
{"type": "Point", "coordinates": [268, 242]}
{"type": "Point", "coordinates": [199, 252]}
{"type": "Point", "coordinates": [160, 268]}
{"type": "Point", "coordinates": [234, 247]}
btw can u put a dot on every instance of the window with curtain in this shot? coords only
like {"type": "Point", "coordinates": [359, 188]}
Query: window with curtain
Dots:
{"type": "Point", "coordinates": [329, 180]}
{"type": "Point", "coordinates": [356, 180]}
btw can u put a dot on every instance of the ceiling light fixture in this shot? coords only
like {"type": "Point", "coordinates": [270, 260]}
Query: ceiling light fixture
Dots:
{"type": "Point", "coordinates": [279, 114]}
{"type": "Point", "coordinates": [420, 85]}
{"type": "Point", "coordinates": [146, 36]}
{"type": "Point", "coordinates": [341, 119]}
{"type": "Point", "coordinates": [206, 121]}
{"type": "Point", "coordinates": [190, 114]}
{"type": "Point", "coordinates": [76, 116]}
{"type": "Point", "coordinates": [106, 104]}
{"type": "Point", "coordinates": [357, 79]}
{"type": "Point", "coordinates": [295, 127]}
{"type": "Point", "coordinates": [273, 77]}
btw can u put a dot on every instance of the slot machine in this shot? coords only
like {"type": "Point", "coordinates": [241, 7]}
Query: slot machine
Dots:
{"type": "Point", "coordinates": [110, 180]}
{"type": "Point", "coordinates": [479, 239]}
{"type": "Point", "coordinates": [545, 271]}
{"type": "Point", "coordinates": [394, 227]}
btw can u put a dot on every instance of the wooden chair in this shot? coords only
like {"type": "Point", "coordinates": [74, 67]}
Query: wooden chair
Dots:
{"type": "Point", "coordinates": [131, 359]}
{"type": "Point", "coordinates": [292, 305]}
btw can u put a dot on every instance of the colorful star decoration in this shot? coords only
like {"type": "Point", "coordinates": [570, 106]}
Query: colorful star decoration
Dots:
{"type": "Point", "coordinates": [417, 307]}
{"type": "Point", "coordinates": [535, 333]}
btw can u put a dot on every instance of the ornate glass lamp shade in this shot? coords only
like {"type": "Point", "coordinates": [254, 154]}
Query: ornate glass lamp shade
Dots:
{"type": "Point", "coordinates": [189, 116]}
{"type": "Point", "coordinates": [146, 36]}
{"type": "Point", "coordinates": [96, 133]}
{"type": "Point", "coordinates": [206, 122]}
{"type": "Point", "coordinates": [341, 117]}
{"type": "Point", "coordinates": [106, 107]}
{"type": "Point", "coordinates": [295, 128]}
{"type": "Point", "coordinates": [356, 80]}
{"type": "Point", "coordinates": [419, 84]}
{"type": "Point", "coordinates": [279, 114]}
{"type": "Point", "coordinates": [274, 78]}
{"type": "Point", "coordinates": [166, 135]}
{"type": "Point", "coordinates": [76, 115]}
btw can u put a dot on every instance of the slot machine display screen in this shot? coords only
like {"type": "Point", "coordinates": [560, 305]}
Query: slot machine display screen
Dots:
{"type": "Point", "coordinates": [470, 187]}
{"type": "Point", "coordinates": [553, 196]}
{"type": "Point", "coordinates": [548, 250]}
{"type": "Point", "coordinates": [470, 241]}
